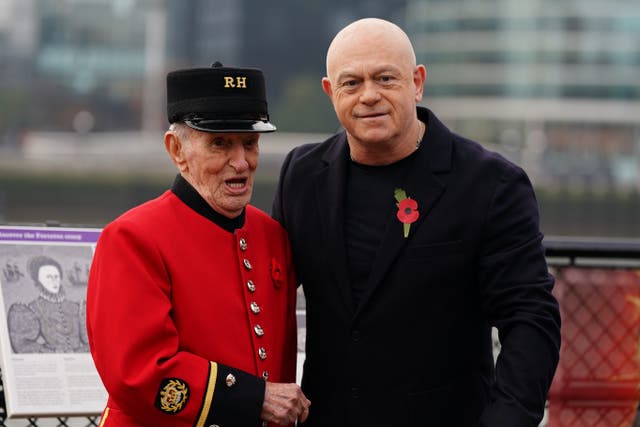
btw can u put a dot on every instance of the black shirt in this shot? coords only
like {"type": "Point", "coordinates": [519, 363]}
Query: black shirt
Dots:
{"type": "Point", "coordinates": [369, 204]}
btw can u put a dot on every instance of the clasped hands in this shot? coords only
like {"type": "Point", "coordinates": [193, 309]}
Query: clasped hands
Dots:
{"type": "Point", "coordinates": [284, 404]}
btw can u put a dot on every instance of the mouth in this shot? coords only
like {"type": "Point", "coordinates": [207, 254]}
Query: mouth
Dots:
{"type": "Point", "coordinates": [236, 185]}
{"type": "Point", "coordinates": [370, 115]}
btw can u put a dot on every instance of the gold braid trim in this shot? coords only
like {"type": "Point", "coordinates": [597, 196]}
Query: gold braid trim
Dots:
{"type": "Point", "coordinates": [208, 396]}
{"type": "Point", "coordinates": [104, 417]}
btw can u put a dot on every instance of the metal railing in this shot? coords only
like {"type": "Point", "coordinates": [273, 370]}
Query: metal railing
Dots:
{"type": "Point", "coordinates": [598, 286]}
{"type": "Point", "coordinates": [565, 255]}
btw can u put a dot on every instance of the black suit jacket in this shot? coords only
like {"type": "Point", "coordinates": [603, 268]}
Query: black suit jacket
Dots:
{"type": "Point", "coordinates": [418, 349]}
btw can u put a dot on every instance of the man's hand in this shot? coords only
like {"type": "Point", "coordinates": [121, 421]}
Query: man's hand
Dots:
{"type": "Point", "coordinates": [284, 404]}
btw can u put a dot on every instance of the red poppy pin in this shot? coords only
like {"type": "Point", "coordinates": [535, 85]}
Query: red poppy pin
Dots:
{"type": "Point", "coordinates": [276, 273]}
{"type": "Point", "coordinates": [407, 209]}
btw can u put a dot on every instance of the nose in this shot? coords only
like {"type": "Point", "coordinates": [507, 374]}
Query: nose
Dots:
{"type": "Point", "coordinates": [238, 158]}
{"type": "Point", "coordinates": [370, 94]}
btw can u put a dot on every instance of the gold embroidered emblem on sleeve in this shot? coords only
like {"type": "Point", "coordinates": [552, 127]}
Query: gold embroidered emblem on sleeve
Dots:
{"type": "Point", "coordinates": [172, 395]}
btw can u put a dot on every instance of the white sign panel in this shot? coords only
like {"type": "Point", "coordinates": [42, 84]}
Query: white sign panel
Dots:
{"type": "Point", "coordinates": [47, 369]}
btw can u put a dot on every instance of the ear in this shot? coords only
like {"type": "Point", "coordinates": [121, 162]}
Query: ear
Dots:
{"type": "Point", "coordinates": [419, 77]}
{"type": "Point", "coordinates": [326, 87]}
{"type": "Point", "coordinates": [174, 146]}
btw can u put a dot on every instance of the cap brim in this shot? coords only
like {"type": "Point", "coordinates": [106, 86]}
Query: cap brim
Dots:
{"type": "Point", "coordinates": [230, 126]}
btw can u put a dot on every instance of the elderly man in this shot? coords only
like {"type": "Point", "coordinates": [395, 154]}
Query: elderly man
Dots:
{"type": "Point", "coordinates": [191, 296]}
{"type": "Point", "coordinates": [411, 242]}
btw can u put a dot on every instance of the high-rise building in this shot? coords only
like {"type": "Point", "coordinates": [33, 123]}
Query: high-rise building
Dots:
{"type": "Point", "coordinates": [93, 58]}
{"type": "Point", "coordinates": [556, 84]}
{"type": "Point", "coordinates": [204, 31]}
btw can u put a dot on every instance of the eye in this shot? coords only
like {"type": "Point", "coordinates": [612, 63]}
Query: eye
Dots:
{"type": "Point", "coordinates": [250, 143]}
{"type": "Point", "coordinates": [219, 142]}
{"type": "Point", "coordinates": [348, 84]}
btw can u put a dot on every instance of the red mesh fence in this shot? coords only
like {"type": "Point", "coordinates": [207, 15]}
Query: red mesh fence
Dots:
{"type": "Point", "coordinates": [596, 383]}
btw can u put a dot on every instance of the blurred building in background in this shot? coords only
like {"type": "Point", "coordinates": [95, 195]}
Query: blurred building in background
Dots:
{"type": "Point", "coordinates": [555, 86]}
{"type": "Point", "coordinates": [107, 59]}
{"type": "Point", "coordinates": [203, 31]}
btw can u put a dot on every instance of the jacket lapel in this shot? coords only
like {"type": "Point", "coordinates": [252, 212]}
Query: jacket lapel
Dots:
{"type": "Point", "coordinates": [330, 188]}
{"type": "Point", "coordinates": [421, 184]}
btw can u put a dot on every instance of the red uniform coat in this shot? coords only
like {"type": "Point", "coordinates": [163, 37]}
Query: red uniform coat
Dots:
{"type": "Point", "coordinates": [185, 318]}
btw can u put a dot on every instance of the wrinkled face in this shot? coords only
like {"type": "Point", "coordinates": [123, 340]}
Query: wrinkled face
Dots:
{"type": "Point", "coordinates": [49, 277]}
{"type": "Point", "coordinates": [220, 166]}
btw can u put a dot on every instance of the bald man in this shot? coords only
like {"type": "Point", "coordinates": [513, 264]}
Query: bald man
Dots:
{"type": "Point", "coordinates": [411, 243]}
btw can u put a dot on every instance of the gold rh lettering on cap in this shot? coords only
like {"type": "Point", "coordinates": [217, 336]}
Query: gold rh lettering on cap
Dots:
{"type": "Point", "coordinates": [239, 82]}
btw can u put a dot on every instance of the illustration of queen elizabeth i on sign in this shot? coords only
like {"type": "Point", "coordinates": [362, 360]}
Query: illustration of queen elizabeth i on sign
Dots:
{"type": "Point", "coordinates": [51, 321]}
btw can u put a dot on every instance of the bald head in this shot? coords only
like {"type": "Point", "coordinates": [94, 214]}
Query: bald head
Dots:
{"type": "Point", "coordinates": [374, 85]}
{"type": "Point", "coordinates": [369, 35]}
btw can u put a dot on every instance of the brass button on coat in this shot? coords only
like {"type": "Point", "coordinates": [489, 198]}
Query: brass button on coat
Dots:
{"type": "Point", "coordinates": [230, 380]}
{"type": "Point", "coordinates": [255, 308]}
